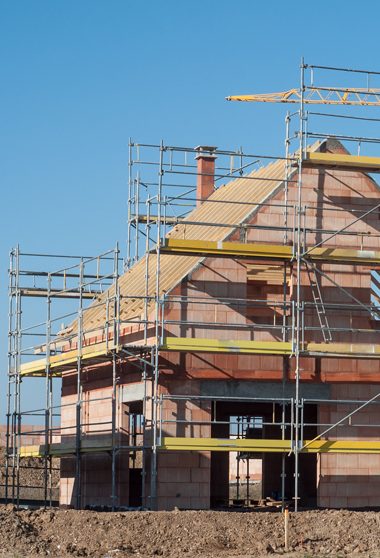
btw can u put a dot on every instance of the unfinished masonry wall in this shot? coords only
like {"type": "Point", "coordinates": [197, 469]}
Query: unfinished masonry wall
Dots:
{"type": "Point", "coordinates": [346, 480]}
{"type": "Point", "coordinates": [183, 477]}
{"type": "Point", "coordinates": [96, 432]}
{"type": "Point", "coordinates": [332, 200]}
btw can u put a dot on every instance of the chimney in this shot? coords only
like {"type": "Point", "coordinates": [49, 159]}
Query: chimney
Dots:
{"type": "Point", "coordinates": [206, 171]}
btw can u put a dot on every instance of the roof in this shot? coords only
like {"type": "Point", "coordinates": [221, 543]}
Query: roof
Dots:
{"type": "Point", "coordinates": [253, 189]}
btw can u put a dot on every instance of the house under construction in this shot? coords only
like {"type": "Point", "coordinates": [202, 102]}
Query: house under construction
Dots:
{"type": "Point", "coordinates": [245, 320]}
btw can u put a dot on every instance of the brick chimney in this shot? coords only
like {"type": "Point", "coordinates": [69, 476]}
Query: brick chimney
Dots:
{"type": "Point", "coordinates": [206, 172]}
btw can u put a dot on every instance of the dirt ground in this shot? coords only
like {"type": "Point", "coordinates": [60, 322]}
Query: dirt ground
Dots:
{"type": "Point", "coordinates": [70, 533]}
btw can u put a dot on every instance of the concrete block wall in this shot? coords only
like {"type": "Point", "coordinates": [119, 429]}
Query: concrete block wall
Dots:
{"type": "Point", "coordinates": [183, 480]}
{"type": "Point", "coordinates": [340, 197]}
{"type": "Point", "coordinates": [95, 484]}
{"type": "Point", "coordinates": [67, 486]}
{"type": "Point", "coordinates": [347, 480]}
{"type": "Point", "coordinates": [213, 280]}
{"type": "Point", "coordinates": [329, 198]}
{"type": "Point", "coordinates": [336, 193]}
{"type": "Point", "coordinates": [183, 477]}
{"type": "Point", "coordinates": [221, 366]}
{"type": "Point", "coordinates": [96, 430]}
{"type": "Point", "coordinates": [96, 412]}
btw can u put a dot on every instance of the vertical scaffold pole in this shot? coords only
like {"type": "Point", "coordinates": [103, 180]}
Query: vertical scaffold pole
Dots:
{"type": "Point", "coordinates": [298, 336]}
{"type": "Point", "coordinates": [143, 425]}
{"type": "Point", "coordinates": [48, 388]}
{"type": "Point", "coordinates": [147, 263]}
{"type": "Point", "coordinates": [287, 175]}
{"type": "Point", "coordinates": [129, 209]}
{"type": "Point", "coordinates": [285, 311]}
{"type": "Point", "coordinates": [9, 464]}
{"type": "Point", "coordinates": [17, 393]}
{"type": "Point", "coordinates": [78, 433]}
{"type": "Point", "coordinates": [116, 331]}
{"type": "Point", "coordinates": [155, 399]}
{"type": "Point", "coordinates": [144, 377]}
{"type": "Point", "coordinates": [137, 214]}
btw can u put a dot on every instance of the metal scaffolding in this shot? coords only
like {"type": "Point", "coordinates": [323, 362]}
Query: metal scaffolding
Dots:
{"type": "Point", "coordinates": [161, 199]}
{"type": "Point", "coordinates": [82, 279]}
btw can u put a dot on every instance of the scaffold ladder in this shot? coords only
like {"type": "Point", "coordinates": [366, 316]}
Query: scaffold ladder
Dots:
{"type": "Point", "coordinates": [319, 304]}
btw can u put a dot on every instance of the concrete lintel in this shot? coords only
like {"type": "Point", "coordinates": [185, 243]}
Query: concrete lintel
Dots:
{"type": "Point", "coordinates": [247, 388]}
{"type": "Point", "coordinates": [132, 392]}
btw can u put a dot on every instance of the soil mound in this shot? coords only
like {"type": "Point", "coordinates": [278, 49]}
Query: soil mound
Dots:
{"type": "Point", "coordinates": [70, 533]}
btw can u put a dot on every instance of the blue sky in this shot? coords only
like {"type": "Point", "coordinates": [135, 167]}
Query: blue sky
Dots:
{"type": "Point", "coordinates": [78, 78]}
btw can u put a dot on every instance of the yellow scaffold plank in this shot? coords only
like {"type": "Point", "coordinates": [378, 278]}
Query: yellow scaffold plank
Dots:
{"type": "Point", "coordinates": [218, 248]}
{"type": "Point", "coordinates": [344, 161]}
{"type": "Point", "coordinates": [269, 251]}
{"type": "Point", "coordinates": [225, 444]}
{"type": "Point", "coordinates": [267, 446]}
{"type": "Point", "coordinates": [57, 449]}
{"type": "Point", "coordinates": [226, 346]}
{"type": "Point", "coordinates": [188, 344]}
{"type": "Point", "coordinates": [58, 362]}
{"type": "Point", "coordinates": [347, 350]}
{"type": "Point", "coordinates": [31, 451]}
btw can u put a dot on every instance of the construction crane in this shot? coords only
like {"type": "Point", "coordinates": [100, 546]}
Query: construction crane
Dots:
{"type": "Point", "coordinates": [317, 96]}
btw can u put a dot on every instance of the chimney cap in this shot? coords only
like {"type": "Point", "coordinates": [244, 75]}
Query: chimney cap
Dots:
{"type": "Point", "coordinates": [205, 151]}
